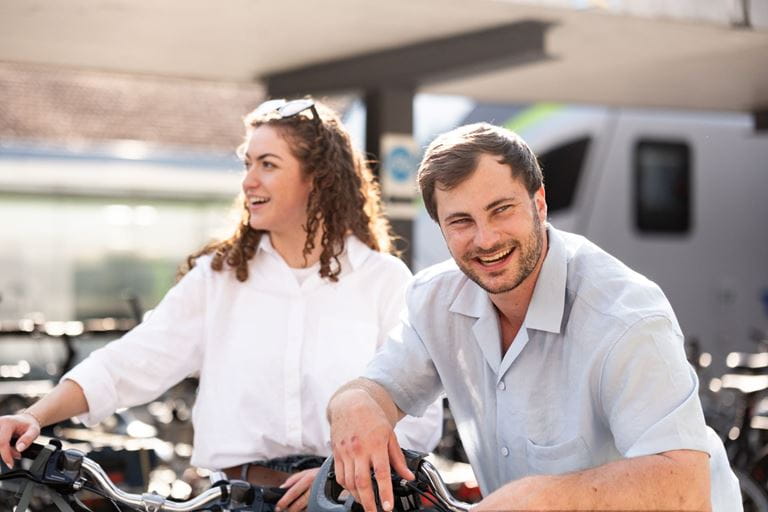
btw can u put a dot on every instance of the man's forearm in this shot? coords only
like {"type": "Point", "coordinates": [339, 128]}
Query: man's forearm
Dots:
{"type": "Point", "coordinates": [677, 480]}
{"type": "Point", "coordinates": [373, 390]}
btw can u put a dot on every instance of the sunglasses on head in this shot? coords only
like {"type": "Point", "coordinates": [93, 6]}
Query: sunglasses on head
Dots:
{"type": "Point", "coordinates": [284, 108]}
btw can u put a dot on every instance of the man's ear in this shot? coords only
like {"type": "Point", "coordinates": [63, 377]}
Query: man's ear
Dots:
{"type": "Point", "coordinates": [540, 198]}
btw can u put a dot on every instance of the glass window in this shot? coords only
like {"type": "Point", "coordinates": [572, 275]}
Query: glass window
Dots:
{"type": "Point", "coordinates": [662, 187]}
{"type": "Point", "coordinates": [562, 167]}
{"type": "Point", "coordinates": [75, 258]}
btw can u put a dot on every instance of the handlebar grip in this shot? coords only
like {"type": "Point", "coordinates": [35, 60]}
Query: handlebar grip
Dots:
{"type": "Point", "coordinates": [32, 451]}
{"type": "Point", "coordinates": [52, 464]}
{"type": "Point", "coordinates": [319, 501]}
{"type": "Point", "coordinates": [272, 494]}
{"type": "Point", "coordinates": [325, 489]}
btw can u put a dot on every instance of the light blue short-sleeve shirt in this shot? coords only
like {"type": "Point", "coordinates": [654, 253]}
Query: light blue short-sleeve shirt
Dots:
{"type": "Point", "coordinates": [596, 373]}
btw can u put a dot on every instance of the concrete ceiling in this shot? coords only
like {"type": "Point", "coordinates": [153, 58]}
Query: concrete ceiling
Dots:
{"type": "Point", "coordinates": [594, 55]}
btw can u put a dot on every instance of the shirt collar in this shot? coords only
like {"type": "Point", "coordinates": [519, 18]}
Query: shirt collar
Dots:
{"type": "Point", "coordinates": [355, 250]}
{"type": "Point", "coordinates": [265, 245]}
{"type": "Point", "coordinates": [545, 312]}
{"type": "Point", "coordinates": [471, 300]}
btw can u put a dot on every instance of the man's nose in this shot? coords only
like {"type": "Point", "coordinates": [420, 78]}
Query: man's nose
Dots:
{"type": "Point", "coordinates": [486, 236]}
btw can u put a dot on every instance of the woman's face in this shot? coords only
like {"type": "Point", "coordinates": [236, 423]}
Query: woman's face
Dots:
{"type": "Point", "coordinates": [276, 190]}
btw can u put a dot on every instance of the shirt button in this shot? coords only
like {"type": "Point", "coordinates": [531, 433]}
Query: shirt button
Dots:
{"type": "Point", "coordinates": [504, 451]}
{"type": "Point", "coordinates": [501, 386]}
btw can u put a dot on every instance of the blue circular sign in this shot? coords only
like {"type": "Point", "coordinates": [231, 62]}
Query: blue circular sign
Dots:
{"type": "Point", "coordinates": [400, 164]}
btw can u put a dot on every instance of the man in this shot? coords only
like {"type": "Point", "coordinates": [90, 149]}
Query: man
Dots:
{"type": "Point", "coordinates": [565, 369]}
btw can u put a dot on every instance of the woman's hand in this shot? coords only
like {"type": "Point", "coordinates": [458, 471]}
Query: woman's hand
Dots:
{"type": "Point", "coordinates": [25, 426]}
{"type": "Point", "coordinates": [297, 497]}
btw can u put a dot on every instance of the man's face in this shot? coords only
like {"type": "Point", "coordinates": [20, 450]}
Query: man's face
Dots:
{"type": "Point", "coordinates": [493, 228]}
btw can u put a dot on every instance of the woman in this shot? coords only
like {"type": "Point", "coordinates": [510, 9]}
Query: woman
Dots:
{"type": "Point", "coordinates": [273, 319]}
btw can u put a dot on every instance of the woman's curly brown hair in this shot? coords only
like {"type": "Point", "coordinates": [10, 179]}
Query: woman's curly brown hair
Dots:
{"type": "Point", "coordinates": [344, 198]}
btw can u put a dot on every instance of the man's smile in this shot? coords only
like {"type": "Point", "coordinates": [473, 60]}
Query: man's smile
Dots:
{"type": "Point", "coordinates": [495, 257]}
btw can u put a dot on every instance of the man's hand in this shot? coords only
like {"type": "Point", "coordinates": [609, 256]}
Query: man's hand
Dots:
{"type": "Point", "coordinates": [363, 438]}
{"type": "Point", "coordinates": [25, 426]}
{"type": "Point", "coordinates": [299, 486]}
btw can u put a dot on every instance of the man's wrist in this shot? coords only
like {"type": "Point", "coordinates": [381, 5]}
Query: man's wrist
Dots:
{"type": "Point", "coordinates": [345, 396]}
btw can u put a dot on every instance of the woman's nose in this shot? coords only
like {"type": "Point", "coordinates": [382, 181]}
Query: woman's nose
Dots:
{"type": "Point", "coordinates": [250, 179]}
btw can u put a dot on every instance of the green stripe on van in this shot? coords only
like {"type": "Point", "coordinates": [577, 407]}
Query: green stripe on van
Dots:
{"type": "Point", "coordinates": [531, 116]}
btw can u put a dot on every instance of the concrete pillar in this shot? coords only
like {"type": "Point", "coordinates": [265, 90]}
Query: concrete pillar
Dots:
{"type": "Point", "coordinates": [388, 130]}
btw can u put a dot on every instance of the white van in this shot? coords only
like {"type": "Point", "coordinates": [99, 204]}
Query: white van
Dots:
{"type": "Point", "coordinates": [681, 197]}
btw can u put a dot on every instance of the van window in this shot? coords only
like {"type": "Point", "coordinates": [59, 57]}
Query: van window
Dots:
{"type": "Point", "coordinates": [562, 167]}
{"type": "Point", "coordinates": [662, 187]}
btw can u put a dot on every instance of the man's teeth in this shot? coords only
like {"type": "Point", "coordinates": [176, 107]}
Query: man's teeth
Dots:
{"type": "Point", "coordinates": [493, 258]}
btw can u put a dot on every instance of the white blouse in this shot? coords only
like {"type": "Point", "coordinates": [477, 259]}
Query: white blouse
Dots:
{"type": "Point", "coordinates": [269, 353]}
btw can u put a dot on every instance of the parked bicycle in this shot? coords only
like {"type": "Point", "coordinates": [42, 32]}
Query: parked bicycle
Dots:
{"type": "Point", "coordinates": [747, 439]}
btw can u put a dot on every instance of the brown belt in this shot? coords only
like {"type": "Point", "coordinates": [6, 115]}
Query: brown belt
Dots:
{"type": "Point", "coordinates": [257, 475]}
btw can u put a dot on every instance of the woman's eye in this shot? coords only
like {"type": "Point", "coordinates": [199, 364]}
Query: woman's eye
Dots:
{"type": "Point", "coordinates": [267, 165]}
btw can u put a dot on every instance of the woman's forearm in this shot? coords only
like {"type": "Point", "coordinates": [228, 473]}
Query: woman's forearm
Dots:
{"type": "Point", "coordinates": [64, 401]}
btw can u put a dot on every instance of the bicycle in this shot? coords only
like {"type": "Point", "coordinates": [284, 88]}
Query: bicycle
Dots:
{"type": "Point", "coordinates": [328, 496]}
{"type": "Point", "coordinates": [746, 440]}
{"type": "Point", "coordinates": [731, 404]}
{"type": "Point", "coordinates": [65, 473]}
{"type": "Point", "coordinates": [62, 474]}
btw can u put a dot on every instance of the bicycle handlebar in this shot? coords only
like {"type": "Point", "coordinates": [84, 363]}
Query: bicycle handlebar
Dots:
{"type": "Point", "coordinates": [66, 471]}
{"type": "Point", "coordinates": [324, 496]}
{"type": "Point", "coordinates": [151, 501]}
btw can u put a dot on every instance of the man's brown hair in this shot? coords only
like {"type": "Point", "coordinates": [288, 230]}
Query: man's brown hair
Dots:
{"type": "Point", "coordinates": [452, 157]}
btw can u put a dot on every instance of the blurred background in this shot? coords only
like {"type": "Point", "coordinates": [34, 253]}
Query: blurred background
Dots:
{"type": "Point", "coordinates": [119, 120]}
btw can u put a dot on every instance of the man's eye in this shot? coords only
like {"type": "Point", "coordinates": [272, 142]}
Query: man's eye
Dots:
{"type": "Point", "coordinates": [503, 208]}
{"type": "Point", "coordinates": [459, 222]}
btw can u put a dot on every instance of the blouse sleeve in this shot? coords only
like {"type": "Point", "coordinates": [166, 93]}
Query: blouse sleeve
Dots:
{"type": "Point", "coordinates": [152, 357]}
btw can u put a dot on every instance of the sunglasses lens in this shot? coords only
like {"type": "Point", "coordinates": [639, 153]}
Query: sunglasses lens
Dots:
{"type": "Point", "coordinates": [269, 106]}
{"type": "Point", "coordinates": [294, 107]}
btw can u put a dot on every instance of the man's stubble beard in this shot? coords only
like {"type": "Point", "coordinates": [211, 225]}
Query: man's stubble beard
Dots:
{"type": "Point", "coordinates": [528, 258]}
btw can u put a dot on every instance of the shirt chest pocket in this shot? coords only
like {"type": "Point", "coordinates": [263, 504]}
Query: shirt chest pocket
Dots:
{"type": "Point", "coordinates": [565, 457]}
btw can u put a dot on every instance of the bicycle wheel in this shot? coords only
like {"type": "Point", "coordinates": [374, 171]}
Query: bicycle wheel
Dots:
{"type": "Point", "coordinates": [753, 495]}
